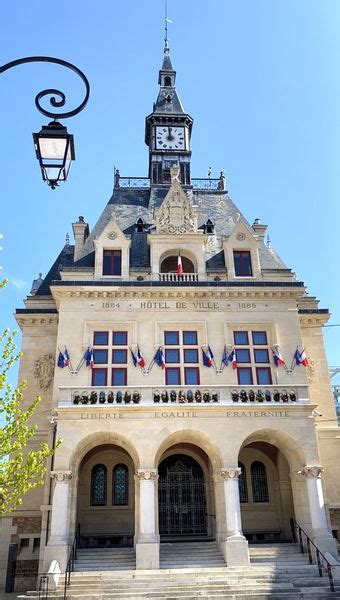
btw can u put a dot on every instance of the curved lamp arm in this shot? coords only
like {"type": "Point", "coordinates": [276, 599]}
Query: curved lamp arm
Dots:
{"type": "Point", "coordinates": [53, 101]}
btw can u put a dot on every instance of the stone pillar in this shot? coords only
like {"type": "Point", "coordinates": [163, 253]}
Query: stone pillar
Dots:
{"type": "Point", "coordinates": [58, 543]}
{"type": "Point", "coordinates": [235, 547]}
{"type": "Point", "coordinates": [320, 533]}
{"type": "Point", "coordinates": [147, 539]}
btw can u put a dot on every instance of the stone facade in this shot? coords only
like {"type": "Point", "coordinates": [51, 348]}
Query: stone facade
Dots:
{"type": "Point", "coordinates": [241, 447]}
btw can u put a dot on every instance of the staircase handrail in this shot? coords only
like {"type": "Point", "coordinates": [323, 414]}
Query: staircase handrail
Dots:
{"type": "Point", "coordinates": [72, 557]}
{"type": "Point", "coordinates": [318, 554]}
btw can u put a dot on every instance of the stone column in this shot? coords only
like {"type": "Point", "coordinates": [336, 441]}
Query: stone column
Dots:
{"type": "Point", "coordinates": [320, 533]}
{"type": "Point", "coordinates": [235, 546]}
{"type": "Point", "coordinates": [147, 539]}
{"type": "Point", "coordinates": [58, 543]}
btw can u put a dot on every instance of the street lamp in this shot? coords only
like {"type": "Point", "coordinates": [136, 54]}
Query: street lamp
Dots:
{"type": "Point", "coordinates": [54, 146]}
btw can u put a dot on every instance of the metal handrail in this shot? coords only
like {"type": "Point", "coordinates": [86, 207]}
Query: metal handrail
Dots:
{"type": "Point", "coordinates": [72, 557]}
{"type": "Point", "coordinates": [296, 528]}
{"type": "Point", "coordinates": [43, 586]}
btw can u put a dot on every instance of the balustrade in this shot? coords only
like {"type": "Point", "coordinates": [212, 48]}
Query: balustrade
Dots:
{"type": "Point", "coordinates": [173, 277]}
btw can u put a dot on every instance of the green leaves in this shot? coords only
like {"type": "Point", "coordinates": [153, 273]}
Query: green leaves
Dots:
{"type": "Point", "coordinates": [22, 467]}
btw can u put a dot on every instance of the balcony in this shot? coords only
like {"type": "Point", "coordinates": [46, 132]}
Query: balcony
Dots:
{"type": "Point", "coordinates": [144, 395]}
{"type": "Point", "coordinates": [144, 183]}
{"type": "Point", "coordinates": [174, 277]}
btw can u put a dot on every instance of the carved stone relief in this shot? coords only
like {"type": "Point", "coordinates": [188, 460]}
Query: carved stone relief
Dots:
{"type": "Point", "coordinates": [43, 371]}
{"type": "Point", "coordinates": [176, 214]}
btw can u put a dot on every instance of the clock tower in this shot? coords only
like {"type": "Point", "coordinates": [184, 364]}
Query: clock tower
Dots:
{"type": "Point", "coordinates": [168, 130]}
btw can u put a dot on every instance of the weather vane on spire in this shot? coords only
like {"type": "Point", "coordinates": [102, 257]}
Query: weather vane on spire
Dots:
{"type": "Point", "coordinates": [166, 41]}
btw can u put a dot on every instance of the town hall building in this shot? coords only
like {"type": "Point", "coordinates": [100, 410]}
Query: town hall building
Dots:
{"type": "Point", "coordinates": [182, 364]}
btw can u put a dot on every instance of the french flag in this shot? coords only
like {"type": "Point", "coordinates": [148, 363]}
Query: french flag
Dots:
{"type": "Point", "coordinates": [89, 359]}
{"type": "Point", "coordinates": [179, 265]}
{"type": "Point", "coordinates": [232, 358]}
{"type": "Point", "coordinates": [278, 360]}
{"type": "Point", "coordinates": [140, 358]}
{"type": "Point", "coordinates": [66, 358]}
{"type": "Point", "coordinates": [159, 358]}
{"type": "Point", "coordinates": [207, 358]}
{"type": "Point", "coordinates": [225, 356]}
{"type": "Point", "coordinates": [301, 358]}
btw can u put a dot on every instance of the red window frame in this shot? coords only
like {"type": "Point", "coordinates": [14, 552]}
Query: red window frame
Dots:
{"type": "Point", "coordinates": [241, 343]}
{"type": "Point", "coordinates": [238, 359]}
{"type": "Point", "coordinates": [93, 376]}
{"type": "Point", "coordinates": [268, 369]}
{"type": "Point", "coordinates": [178, 370]}
{"type": "Point", "coordinates": [242, 369]}
{"type": "Point", "coordinates": [196, 369]}
{"type": "Point", "coordinates": [114, 333]}
{"type": "Point", "coordinates": [264, 333]}
{"type": "Point", "coordinates": [112, 267]}
{"type": "Point", "coordinates": [171, 343]}
{"type": "Point", "coordinates": [119, 362]}
{"type": "Point", "coordinates": [242, 263]}
{"type": "Point", "coordinates": [185, 359]}
{"type": "Point", "coordinates": [124, 370]}
{"type": "Point", "coordinates": [172, 362]}
{"type": "Point", "coordinates": [95, 354]}
{"type": "Point", "coordinates": [261, 350]}
{"type": "Point", "coordinates": [100, 343]}
{"type": "Point", "coordinates": [192, 332]}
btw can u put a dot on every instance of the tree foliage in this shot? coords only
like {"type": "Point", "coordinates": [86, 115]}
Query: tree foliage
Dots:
{"type": "Point", "coordinates": [21, 468]}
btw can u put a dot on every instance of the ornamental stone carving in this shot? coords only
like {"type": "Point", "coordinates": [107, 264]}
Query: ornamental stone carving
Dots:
{"type": "Point", "coordinates": [176, 215]}
{"type": "Point", "coordinates": [312, 472]}
{"type": "Point", "coordinates": [147, 474]}
{"type": "Point", "coordinates": [61, 476]}
{"type": "Point", "coordinates": [230, 473]}
{"type": "Point", "coordinates": [43, 371]}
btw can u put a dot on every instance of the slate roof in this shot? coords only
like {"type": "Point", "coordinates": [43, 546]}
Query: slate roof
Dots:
{"type": "Point", "coordinates": [64, 259]}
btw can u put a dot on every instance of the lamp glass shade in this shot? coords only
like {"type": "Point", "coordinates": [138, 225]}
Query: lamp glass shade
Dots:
{"type": "Point", "coordinates": [55, 151]}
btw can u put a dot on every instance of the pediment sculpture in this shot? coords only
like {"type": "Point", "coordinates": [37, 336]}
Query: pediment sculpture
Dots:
{"type": "Point", "coordinates": [176, 214]}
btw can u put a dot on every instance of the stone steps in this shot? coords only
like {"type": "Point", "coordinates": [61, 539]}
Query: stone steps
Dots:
{"type": "Point", "coordinates": [105, 559]}
{"type": "Point", "coordinates": [189, 554]}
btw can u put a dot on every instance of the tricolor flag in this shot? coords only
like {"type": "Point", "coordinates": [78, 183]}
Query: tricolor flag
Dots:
{"type": "Point", "coordinates": [159, 358]}
{"type": "Point", "coordinates": [207, 358]}
{"type": "Point", "coordinates": [301, 358]}
{"type": "Point", "coordinates": [278, 360]}
{"type": "Point", "coordinates": [224, 359]}
{"type": "Point", "coordinates": [140, 358]}
{"type": "Point", "coordinates": [179, 265]}
{"type": "Point", "coordinates": [134, 358]}
{"type": "Point", "coordinates": [232, 358]}
{"type": "Point", "coordinates": [88, 357]}
{"type": "Point", "coordinates": [63, 359]}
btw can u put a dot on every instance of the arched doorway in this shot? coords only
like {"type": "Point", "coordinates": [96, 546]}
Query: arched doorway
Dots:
{"type": "Point", "coordinates": [106, 497]}
{"type": "Point", "coordinates": [265, 493]}
{"type": "Point", "coordinates": [169, 265]}
{"type": "Point", "coordinates": [182, 498]}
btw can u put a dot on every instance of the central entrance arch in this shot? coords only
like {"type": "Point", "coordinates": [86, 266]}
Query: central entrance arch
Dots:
{"type": "Point", "coordinates": [182, 497]}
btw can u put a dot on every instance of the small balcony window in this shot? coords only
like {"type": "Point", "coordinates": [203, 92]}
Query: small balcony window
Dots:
{"type": "Point", "coordinates": [242, 263]}
{"type": "Point", "coordinates": [112, 262]}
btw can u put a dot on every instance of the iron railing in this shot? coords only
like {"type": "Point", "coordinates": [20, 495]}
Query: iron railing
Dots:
{"type": "Point", "coordinates": [43, 587]}
{"type": "Point", "coordinates": [314, 554]}
{"type": "Point", "coordinates": [205, 183]}
{"type": "Point", "coordinates": [133, 182]}
{"type": "Point", "coordinates": [72, 557]}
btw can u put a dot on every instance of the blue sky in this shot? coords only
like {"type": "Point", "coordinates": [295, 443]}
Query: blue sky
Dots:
{"type": "Point", "coordinates": [260, 78]}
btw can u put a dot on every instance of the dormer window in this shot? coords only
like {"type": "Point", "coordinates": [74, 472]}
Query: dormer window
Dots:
{"type": "Point", "coordinates": [140, 225]}
{"type": "Point", "coordinates": [112, 262]}
{"type": "Point", "coordinates": [209, 226]}
{"type": "Point", "coordinates": [242, 263]}
{"type": "Point", "coordinates": [167, 81]}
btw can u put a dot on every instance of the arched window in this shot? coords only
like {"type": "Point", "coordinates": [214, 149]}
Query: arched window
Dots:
{"type": "Point", "coordinates": [167, 81]}
{"type": "Point", "coordinates": [120, 485]}
{"type": "Point", "coordinates": [242, 484]}
{"type": "Point", "coordinates": [169, 264]}
{"type": "Point", "coordinates": [98, 485]}
{"type": "Point", "coordinates": [259, 482]}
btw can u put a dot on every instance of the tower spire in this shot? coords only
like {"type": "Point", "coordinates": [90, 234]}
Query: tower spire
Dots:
{"type": "Point", "coordinates": [166, 40]}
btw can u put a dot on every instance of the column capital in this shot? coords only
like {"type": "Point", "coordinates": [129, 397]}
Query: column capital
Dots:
{"type": "Point", "coordinates": [312, 471]}
{"type": "Point", "coordinates": [61, 476]}
{"type": "Point", "coordinates": [230, 473]}
{"type": "Point", "coordinates": [146, 474]}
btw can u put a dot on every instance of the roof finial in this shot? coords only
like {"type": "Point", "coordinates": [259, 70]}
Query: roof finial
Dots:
{"type": "Point", "coordinates": [166, 41]}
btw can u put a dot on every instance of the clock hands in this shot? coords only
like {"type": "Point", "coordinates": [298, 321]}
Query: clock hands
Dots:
{"type": "Point", "coordinates": [170, 136]}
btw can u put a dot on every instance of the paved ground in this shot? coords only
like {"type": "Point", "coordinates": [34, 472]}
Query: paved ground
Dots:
{"type": "Point", "coordinates": [4, 596]}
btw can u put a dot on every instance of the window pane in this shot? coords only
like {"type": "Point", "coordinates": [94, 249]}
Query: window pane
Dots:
{"type": "Point", "coordinates": [263, 376]}
{"type": "Point", "coordinates": [119, 338]}
{"type": "Point", "coordinates": [172, 376]}
{"type": "Point", "coordinates": [172, 356]}
{"type": "Point", "coordinates": [99, 377]}
{"type": "Point", "coordinates": [191, 376]}
{"type": "Point", "coordinates": [242, 356]}
{"type": "Point", "coordinates": [98, 485]}
{"type": "Point", "coordinates": [259, 482]}
{"type": "Point", "coordinates": [191, 355]}
{"type": "Point", "coordinates": [261, 356]}
{"type": "Point", "coordinates": [112, 262]}
{"type": "Point", "coordinates": [242, 484]}
{"type": "Point", "coordinates": [120, 485]}
{"type": "Point", "coordinates": [241, 337]}
{"type": "Point", "coordinates": [100, 356]}
{"type": "Point", "coordinates": [190, 338]}
{"type": "Point", "coordinates": [171, 338]}
{"type": "Point", "coordinates": [118, 377]}
{"type": "Point", "coordinates": [100, 338]}
{"type": "Point", "coordinates": [259, 338]}
{"type": "Point", "coordinates": [242, 263]}
{"type": "Point", "coordinates": [244, 375]}
{"type": "Point", "coordinates": [119, 356]}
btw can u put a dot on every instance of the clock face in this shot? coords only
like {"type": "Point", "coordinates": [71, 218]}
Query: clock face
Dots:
{"type": "Point", "coordinates": [170, 138]}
